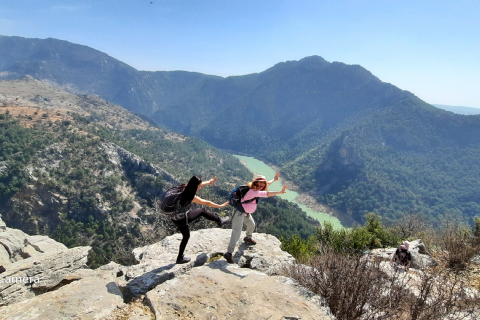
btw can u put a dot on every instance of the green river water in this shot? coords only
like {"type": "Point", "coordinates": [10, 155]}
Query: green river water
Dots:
{"type": "Point", "coordinates": [260, 167]}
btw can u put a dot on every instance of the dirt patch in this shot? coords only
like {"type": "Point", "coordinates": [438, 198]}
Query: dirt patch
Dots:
{"type": "Point", "coordinates": [28, 116]}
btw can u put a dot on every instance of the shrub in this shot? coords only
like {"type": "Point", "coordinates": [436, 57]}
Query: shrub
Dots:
{"type": "Point", "coordinates": [300, 249]}
{"type": "Point", "coordinates": [356, 288]}
{"type": "Point", "coordinates": [372, 235]}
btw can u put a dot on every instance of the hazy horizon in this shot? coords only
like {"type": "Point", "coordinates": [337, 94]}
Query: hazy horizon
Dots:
{"type": "Point", "coordinates": [429, 48]}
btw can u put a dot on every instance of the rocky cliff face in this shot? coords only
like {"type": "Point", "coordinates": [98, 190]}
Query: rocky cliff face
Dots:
{"type": "Point", "coordinates": [207, 288]}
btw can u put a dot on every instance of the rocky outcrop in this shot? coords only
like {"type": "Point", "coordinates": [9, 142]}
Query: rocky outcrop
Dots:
{"type": "Point", "coordinates": [132, 162]}
{"type": "Point", "coordinates": [26, 278]}
{"type": "Point", "coordinates": [89, 298]}
{"type": "Point", "coordinates": [157, 261]}
{"type": "Point", "coordinates": [56, 284]}
{"type": "Point", "coordinates": [16, 245]}
{"type": "Point", "coordinates": [46, 280]}
{"type": "Point", "coordinates": [421, 258]}
{"type": "Point", "coordinates": [222, 291]}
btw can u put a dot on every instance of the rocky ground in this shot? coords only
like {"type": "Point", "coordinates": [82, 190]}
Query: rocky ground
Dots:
{"type": "Point", "coordinates": [155, 288]}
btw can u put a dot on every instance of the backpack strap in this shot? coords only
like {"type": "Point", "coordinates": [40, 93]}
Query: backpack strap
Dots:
{"type": "Point", "coordinates": [251, 200]}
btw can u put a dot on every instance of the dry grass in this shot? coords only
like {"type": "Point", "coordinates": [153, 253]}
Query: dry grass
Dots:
{"type": "Point", "coordinates": [357, 288]}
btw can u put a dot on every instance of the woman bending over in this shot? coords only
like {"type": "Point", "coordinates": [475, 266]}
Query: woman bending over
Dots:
{"type": "Point", "coordinates": [183, 215]}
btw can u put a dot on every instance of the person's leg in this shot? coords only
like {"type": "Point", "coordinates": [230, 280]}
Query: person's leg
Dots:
{"type": "Point", "coordinates": [185, 230]}
{"type": "Point", "coordinates": [250, 223]}
{"type": "Point", "coordinates": [237, 224]}
{"type": "Point", "coordinates": [197, 213]}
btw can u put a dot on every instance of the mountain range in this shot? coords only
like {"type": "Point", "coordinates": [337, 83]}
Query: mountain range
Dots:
{"type": "Point", "coordinates": [353, 142]}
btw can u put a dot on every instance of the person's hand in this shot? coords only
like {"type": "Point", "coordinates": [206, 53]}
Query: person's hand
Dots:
{"type": "Point", "coordinates": [224, 205]}
{"type": "Point", "coordinates": [277, 175]}
{"type": "Point", "coordinates": [212, 181]}
{"type": "Point", "coordinates": [283, 189]}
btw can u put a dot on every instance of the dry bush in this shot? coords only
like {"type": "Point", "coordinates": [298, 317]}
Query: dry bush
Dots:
{"type": "Point", "coordinates": [442, 295]}
{"type": "Point", "coordinates": [357, 288]}
{"type": "Point", "coordinates": [410, 225]}
{"type": "Point", "coordinates": [459, 242]}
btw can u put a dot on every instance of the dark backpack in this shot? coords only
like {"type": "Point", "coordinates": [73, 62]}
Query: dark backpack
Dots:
{"type": "Point", "coordinates": [403, 256]}
{"type": "Point", "coordinates": [236, 196]}
{"type": "Point", "coordinates": [169, 200]}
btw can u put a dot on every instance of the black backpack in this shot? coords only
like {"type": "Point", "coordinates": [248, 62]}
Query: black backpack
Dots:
{"type": "Point", "coordinates": [236, 196]}
{"type": "Point", "coordinates": [169, 201]}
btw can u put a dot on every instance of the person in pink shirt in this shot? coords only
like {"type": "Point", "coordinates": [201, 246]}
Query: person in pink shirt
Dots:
{"type": "Point", "coordinates": [258, 189]}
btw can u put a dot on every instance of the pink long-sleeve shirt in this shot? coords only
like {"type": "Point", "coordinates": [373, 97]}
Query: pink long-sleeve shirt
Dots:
{"type": "Point", "coordinates": [252, 206]}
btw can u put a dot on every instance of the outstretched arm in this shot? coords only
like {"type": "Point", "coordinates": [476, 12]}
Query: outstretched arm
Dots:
{"type": "Point", "coordinates": [277, 175]}
{"type": "Point", "coordinates": [209, 203]}
{"type": "Point", "coordinates": [210, 182]}
{"type": "Point", "coordinates": [274, 193]}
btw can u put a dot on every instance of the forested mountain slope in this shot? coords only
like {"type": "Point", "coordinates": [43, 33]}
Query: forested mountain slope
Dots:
{"type": "Point", "coordinates": [350, 140]}
{"type": "Point", "coordinates": [86, 172]}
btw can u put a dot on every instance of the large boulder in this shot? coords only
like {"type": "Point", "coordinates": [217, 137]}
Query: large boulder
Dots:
{"type": "Point", "coordinates": [27, 278]}
{"type": "Point", "coordinates": [421, 258]}
{"type": "Point", "coordinates": [221, 291]}
{"type": "Point", "coordinates": [156, 262]}
{"type": "Point", "coordinates": [88, 298]}
{"type": "Point", "coordinates": [16, 245]}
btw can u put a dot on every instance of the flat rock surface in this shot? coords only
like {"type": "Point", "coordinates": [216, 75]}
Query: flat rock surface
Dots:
{"type": "Point", "coordinates": [44, 244]}
{"type": "Point", "coordinates": [221, 291]}
{"type": "Point", "coordinates": [89, 298]}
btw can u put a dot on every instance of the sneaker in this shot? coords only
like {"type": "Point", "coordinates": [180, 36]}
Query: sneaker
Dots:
{"type": "Point", "coordinates": [249, 240]}
{"type": "Point", "coordinates": [222, 221]}
{"type": "Point", "coordinates": [183, 260]}
{"type": "Point", "coordinates": [228, 257]}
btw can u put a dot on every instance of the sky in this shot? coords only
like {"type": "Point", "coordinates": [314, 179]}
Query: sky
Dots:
{"type": "Point", "coordinates": [430, 48]}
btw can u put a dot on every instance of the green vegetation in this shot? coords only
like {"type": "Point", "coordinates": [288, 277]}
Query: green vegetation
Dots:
{"type": "Point", "coordinates": [336, 130]}
{"type": "Point", "coordinates": [18, 146]}
{"type": "Point", "coordinates": [396, 164]}
{"type": "Point", "coordinates": [91, 199]}
{"type": "Point", "coordinates": [369, 236]}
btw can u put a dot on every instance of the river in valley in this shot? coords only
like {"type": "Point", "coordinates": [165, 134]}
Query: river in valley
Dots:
{"type": "Point", "coordinates": [260, 167]}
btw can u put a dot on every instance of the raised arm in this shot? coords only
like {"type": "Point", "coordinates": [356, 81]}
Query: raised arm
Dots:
{"type": "Point", "coordinates": [210, 182]}
{"type": "Point", "coordinates": [274, 193]}
{"type": "Point", "coordinates": [277, 175]}
{"type": "Point", "coordinates": [209, 203]}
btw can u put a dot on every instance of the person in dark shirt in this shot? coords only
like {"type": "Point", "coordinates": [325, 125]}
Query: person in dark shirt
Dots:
{"type": "Point", "coordinates": [183, 215]}
{"type": "Point", "coordinates": [402, 256]}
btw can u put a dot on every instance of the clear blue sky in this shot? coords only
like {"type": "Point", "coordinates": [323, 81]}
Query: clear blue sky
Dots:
{"type": "Point", "coordinates": [431, 48]}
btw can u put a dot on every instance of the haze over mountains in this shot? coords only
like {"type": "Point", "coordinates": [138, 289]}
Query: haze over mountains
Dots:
{"type": "Point", "coordinates": [459, 109]}
{"type": "Point", "coordinates": [354, 142]}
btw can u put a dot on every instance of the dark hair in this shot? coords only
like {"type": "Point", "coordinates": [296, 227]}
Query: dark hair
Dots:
{"type": "Point", "coordinates": [189, 190]}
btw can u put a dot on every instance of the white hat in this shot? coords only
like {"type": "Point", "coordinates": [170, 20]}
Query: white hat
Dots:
{"type": "Point", "coordinates": [258, 177]}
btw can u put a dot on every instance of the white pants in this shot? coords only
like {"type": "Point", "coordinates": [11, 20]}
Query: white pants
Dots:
{"type": "Point", "coordinates": [237, 224]}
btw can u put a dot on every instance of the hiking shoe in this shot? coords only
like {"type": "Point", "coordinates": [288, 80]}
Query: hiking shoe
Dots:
{"type": "Point", "coordinates": [222, 221]}
{"type": "Point", "coordinates": [249, 240]}
{"type": "Point", "coordinates": [183, 260]}
{"type": "Point", "coordinates": [228, 257]}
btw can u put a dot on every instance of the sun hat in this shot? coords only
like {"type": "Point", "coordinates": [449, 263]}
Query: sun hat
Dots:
{"type": "Point", "coordinates": [405, 245]}
{"type": "Point", "coordinates": [258, 177]}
